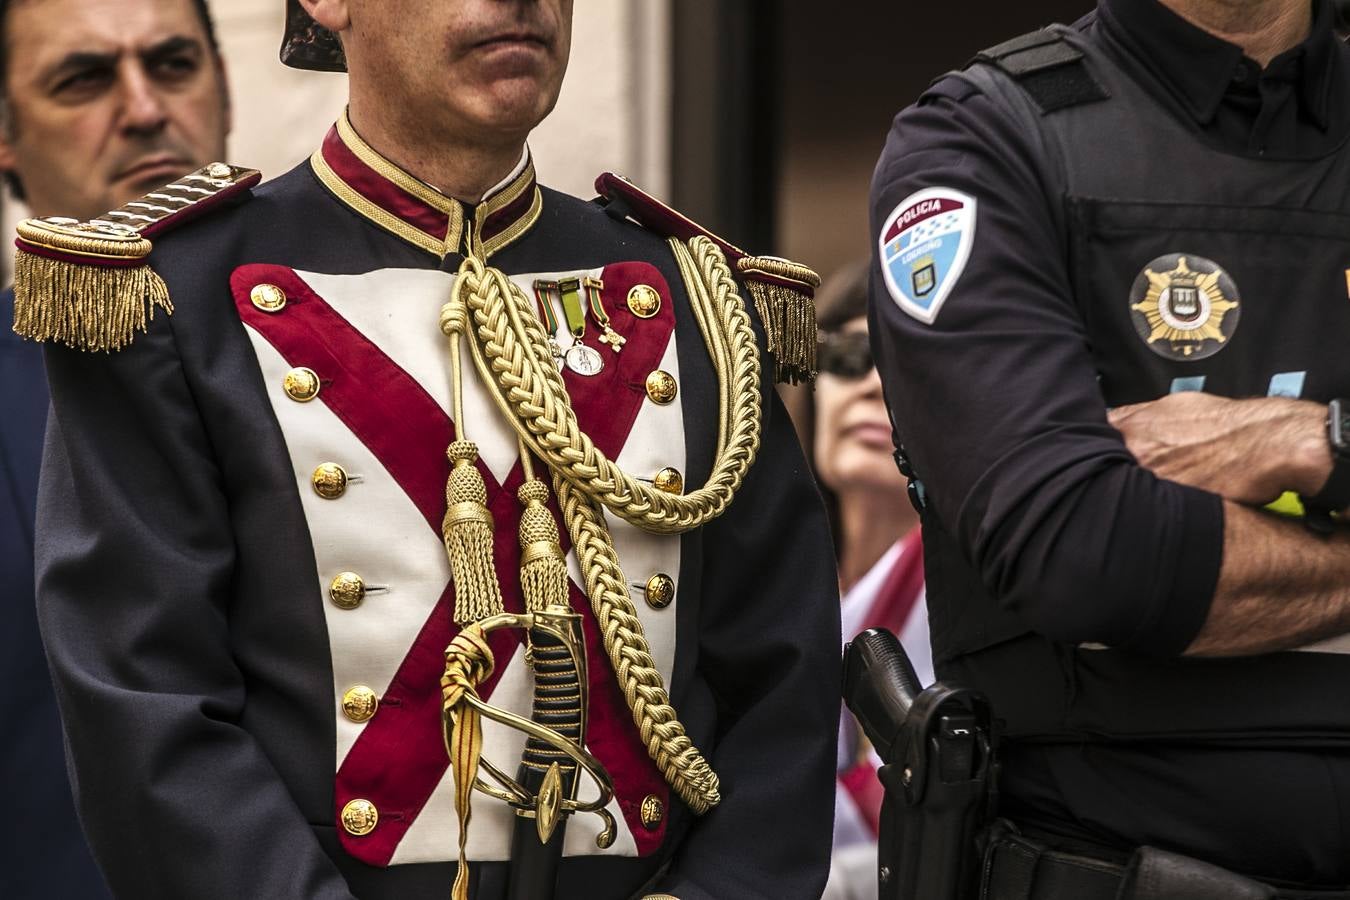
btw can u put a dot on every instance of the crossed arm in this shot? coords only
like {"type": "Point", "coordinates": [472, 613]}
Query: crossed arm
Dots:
{"type": "Point", "coordinates": [1280, 586]}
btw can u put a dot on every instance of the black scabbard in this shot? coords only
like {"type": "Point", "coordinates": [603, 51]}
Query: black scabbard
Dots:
{"type": "Point", "coordinates": [559, 704]}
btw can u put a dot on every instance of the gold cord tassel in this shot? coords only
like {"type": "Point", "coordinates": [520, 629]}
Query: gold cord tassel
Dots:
{"type": "Point", "coordinates": [97, 299]}
{"type": "Point", "coordinates": [783, 293]}
{"type": "Point", "coordinates": [543, 569]}
{"type": "Point", "coordinates": [467, 529]}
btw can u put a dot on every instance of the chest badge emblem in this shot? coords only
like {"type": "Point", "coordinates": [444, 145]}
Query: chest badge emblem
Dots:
{"type": "Point", "coordinates": [1185, 307]}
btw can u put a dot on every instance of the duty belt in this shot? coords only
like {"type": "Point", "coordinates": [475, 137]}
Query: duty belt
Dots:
{"type": "Point", "coordinates": [1018, 868]}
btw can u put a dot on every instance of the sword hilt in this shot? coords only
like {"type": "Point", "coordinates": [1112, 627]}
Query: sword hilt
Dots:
{"type": "Point", "coordinates": [558, 702]}
{"type": "Point", "coordinates": [555, 625]}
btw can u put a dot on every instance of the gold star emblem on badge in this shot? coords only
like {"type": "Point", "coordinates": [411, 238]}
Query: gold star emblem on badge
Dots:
{"type": "Point", "coordinates": [1184, 307]}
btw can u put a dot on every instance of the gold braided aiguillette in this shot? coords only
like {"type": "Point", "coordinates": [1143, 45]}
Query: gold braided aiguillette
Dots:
{"type": "Point", "coordinates": [509, 348]}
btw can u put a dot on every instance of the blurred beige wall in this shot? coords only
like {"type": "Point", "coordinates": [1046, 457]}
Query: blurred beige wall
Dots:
{"type": "Point", "coordinates": [613, 113]}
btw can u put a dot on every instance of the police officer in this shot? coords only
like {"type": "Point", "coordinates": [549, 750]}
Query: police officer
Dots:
{"type": "Point", "coordinates": [255, 549]}
{"type": "Point", "coordinates": [1109, 304]}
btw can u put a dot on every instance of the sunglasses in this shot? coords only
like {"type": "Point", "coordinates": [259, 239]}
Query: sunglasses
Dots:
{"type": "Point", "coordinates": [844, 354]}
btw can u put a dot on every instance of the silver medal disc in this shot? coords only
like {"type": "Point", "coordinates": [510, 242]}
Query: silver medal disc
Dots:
{"type": "Point", "coordinates": [584, 360]}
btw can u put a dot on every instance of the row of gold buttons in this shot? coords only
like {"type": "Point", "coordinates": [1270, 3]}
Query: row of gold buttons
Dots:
{"type": "Point", "coordinates": [360, 816]}
{"type": "Point", "coordinates": [347, 590]}
{"type": "Point", "coordinates": [659, 591]}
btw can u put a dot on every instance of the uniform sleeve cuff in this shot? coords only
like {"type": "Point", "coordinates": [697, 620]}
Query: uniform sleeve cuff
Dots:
{"type": "Point", "coordinates": [1181, 613]}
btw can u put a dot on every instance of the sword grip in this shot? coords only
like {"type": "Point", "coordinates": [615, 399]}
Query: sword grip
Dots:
{"type": "Point", "coordinates": [558, 704]}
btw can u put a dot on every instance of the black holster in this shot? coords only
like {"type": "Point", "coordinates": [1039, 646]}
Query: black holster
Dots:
{"type": "Point", "coordinates": [937, 746]}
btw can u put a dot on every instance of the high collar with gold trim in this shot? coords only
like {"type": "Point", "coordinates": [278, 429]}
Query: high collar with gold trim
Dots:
{"type": "Point", "coordinates": [413, 210]}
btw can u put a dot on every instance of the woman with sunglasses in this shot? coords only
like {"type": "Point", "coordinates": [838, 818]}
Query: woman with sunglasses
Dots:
{"type": "Point", "coordinates": [877, 546]}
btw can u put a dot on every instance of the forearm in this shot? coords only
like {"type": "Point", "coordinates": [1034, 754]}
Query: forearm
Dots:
{"type": "Point", "coordinates": [1248, 451]}
{"type": "Point", "coordinates": [1280, 587]}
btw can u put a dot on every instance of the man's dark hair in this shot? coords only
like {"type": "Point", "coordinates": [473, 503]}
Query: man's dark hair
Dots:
{"type": "Point", "coordinates": [11, 179]}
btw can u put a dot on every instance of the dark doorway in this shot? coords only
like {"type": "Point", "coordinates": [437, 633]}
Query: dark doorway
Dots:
{"type": "Point", "coordinates": [780, 107]}
{"type": "Point", "coordinates": [845, 70]}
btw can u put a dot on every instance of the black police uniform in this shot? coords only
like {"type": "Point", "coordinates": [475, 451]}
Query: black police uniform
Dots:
{"type": "Point", "coordinates": [1152, 212]}
{"type": "Point", "coordinates": [247, 602]}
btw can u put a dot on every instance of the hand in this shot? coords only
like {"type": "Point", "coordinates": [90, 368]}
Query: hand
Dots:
{"type": "Point", "coordinates": [1247, 451]}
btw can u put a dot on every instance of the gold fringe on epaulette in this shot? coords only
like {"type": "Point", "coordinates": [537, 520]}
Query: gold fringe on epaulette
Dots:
{"type": "Point", "coordinates": [788, 313]}
{"type": "Point", "coordinates": [86, 305]}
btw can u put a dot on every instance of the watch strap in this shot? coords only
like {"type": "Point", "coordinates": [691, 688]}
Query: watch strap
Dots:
{"type": "Point", "coordinates": [1335, 494]}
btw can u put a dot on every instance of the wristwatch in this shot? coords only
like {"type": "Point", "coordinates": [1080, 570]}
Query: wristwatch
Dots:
{"type": "Point", "coordinates": [1335, 494]}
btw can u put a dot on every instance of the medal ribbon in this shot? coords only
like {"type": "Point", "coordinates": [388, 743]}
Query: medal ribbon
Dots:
{"type": "Point", "coordinates": [546, 312]}
{"type": "Point", "coordinates": [593, 288]}
{"type": "Point", "coordinates": [570, 290]}
{"type": "Point", "coordinates": [596, 303]}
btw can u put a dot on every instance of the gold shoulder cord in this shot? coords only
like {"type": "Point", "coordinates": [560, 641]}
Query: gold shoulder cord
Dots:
{"type": "Point", "coordinates": [510, 351]}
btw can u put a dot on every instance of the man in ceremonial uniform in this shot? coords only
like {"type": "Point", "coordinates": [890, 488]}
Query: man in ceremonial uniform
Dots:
{"type": "Point", "coordinates": [287, 530]}
{"type": "Point", "coordinates": [102, 102]}
{"type": "Point", "coordinates": [1110, 309]}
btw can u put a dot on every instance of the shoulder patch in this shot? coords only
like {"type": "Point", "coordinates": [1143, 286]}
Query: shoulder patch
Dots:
{"type": "Point", "coordinates": [783, 291]}
{"type": "Point", "coordinates": [923, 247]}
{"type": "Point", "coordinates": [87, 284]}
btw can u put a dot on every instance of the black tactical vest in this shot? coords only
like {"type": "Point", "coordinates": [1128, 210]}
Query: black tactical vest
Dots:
{"type": "Point", "coordinates": [1193, 269]}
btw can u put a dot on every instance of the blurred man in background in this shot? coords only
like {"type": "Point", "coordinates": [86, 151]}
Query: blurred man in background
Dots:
{"type": "Point", "coordinates": [103, 101]}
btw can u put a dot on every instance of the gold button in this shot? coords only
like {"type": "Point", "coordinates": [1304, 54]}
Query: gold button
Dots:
{"type": "Point", "coordinates": [359, 817]}
{"type": "Point", "coordinates": [347, 590]}
{"type": "Point", "coordinates": [643, 301]}
{"type": "Point", "coordinates": [218, 170]}
{"type": "Point", "coordinates": [268, 297]}
{"type": "Point", "coordinates": [330, 481]}
{"type": "Point", "coordinates": [660, 590]}
{"type": "Point", "coordinates": [301, 384]}
{"type": "Point", "coordinates": [653, 811]}
{"type": "Point", "coordinates": [668, 480]}
{"type": "Point", "coordinates": [661, 387]}
{"type": "Point", "coordinates": [360, 703]}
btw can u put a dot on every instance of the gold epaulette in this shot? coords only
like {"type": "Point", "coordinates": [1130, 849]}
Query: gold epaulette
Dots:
{"type": "Point", "coordinates": [87, 284]}
{"type": "Point", "coordinates": [784, 292]}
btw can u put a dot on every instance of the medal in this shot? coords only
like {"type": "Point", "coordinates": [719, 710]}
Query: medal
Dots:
{"type": "Point", "coordinates": [584, 360]}
{"type": "Point", "coordinates": [580, 359]}
{"type": "Point", "coordinates": [593, 288]}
